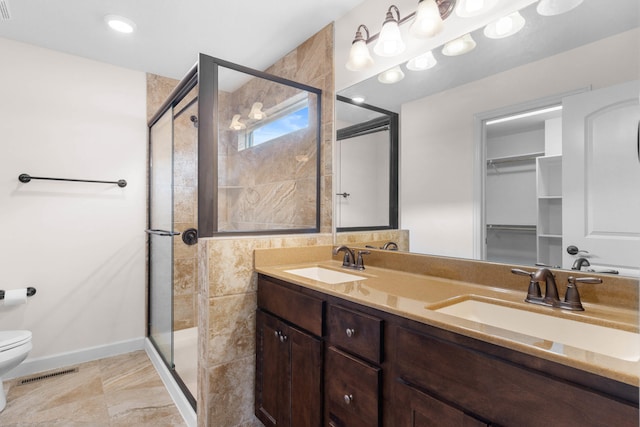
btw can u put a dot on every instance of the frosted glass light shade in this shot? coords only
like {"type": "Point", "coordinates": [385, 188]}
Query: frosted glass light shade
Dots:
{"type": "Point", "coordinates": [556, 7]}
{"type": "Point", "coordinates": [428, 21]}
{"type": "Point", "coordinates": [471, 8]}
{"type": "Point", "coordinates": [389, 41]}
{"type": "Point", "coordinates": [422, 62]}
{"type": "Point", "coordinates": [459, 46]}
{"type": "Point", "coordinates": [505, 26]}
{"type": "Point", "coordinates": [256, 111]}
{"type": "Point", "coordinates": [391, 76]}
{"type": "Point", "coordinates": [236, 124]}
{"type": "Point", "coordinates": [359, 56]}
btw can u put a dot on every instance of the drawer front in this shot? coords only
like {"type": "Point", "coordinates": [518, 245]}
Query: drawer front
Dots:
{"type": "Point", "coordinates": [295, 307]}
{"type": "Point", "coordinates": [355, 332]}
{"type": "Point", "coordinates": [499, 391]}
{"type": "Point", "coordinates": [352, 391]}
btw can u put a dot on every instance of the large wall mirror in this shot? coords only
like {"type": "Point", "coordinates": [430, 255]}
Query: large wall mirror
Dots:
{"type": "Point", "coordinates": [473, 186]}
{"type": "Point", "coordinates": [366, 167]}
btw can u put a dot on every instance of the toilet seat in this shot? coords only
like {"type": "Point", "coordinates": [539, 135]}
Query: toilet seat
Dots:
{"type": "Point", "coordinates": [12, 339]}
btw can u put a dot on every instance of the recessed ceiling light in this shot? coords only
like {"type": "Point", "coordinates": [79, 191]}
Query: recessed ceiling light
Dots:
{"type": "Point", "coordinates": [120, 24]}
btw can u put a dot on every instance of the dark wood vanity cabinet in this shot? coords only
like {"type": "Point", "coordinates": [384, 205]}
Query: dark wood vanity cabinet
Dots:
{"type": "Point", "coordinates": [288, 389]}
{"type": "Point", "coordinates": [435, 376]}
{"type": "Point", "coordinates": [321, 360]}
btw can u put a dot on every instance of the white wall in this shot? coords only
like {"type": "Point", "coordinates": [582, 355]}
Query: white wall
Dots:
{"type": "Point", "coordinates": [82, 246]}
{"type": "Point", "coordinates": [437, 136]}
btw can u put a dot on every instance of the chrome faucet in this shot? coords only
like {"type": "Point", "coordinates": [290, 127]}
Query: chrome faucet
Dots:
{"type": "Point", "coordinates": [579, 263]}
{"type": "Point", "coordinates": [551, 298]}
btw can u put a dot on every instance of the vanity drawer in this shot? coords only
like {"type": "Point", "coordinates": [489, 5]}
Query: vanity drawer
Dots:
{"type": "Point", "coordinates": [300, 309]}
{"type": "Point", "coordinates": [352, 391]}
{"type": "Point", "coordinates": [355, 332]}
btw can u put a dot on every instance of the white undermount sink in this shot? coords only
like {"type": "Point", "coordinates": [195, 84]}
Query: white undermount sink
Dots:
{"type": "Point", "coordinates": [325, 275]}
{"type": "Point", "coordinates": [586, 336]}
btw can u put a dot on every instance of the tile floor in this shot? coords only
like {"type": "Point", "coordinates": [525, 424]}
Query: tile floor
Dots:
{"type": "Point", "coordinates": [123, 390]}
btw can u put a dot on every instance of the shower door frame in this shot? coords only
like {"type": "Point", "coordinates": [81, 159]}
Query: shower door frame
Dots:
{"type": "Point", "coordinates": [177, 95]}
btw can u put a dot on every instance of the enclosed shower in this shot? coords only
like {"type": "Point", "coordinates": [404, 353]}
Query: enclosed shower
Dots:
{"type": "Point", "coordinates": [232, 151]}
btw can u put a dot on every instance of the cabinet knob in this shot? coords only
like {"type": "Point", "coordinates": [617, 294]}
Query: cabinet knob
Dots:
{"type": "Point", "coordinates": [276, 334]}
{"type": "Point", "coordinates": [350, 332]}
{"type": "Point", "coordinates": [283, 337]}
{"type": "Point", "coordinates": [348, 398]}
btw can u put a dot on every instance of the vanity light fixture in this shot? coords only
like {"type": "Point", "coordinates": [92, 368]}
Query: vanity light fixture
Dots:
{"type": "Point", "coordinates": [359, 57]}
{"type": "Point", "coordinates": [256, 112]}
{"type": "Point", "coordinates": [120, 24]}
{"type": "Point", "coordinates": [390, 41]}
{"type": "Point", "coordinates": [505, 26]}
{"type": "Point", "coordinates": [471, 8]}
{"type": "Point", "coordinates": [236, 124]}
{"type": "Point", "coordinates": [391, 76]}
{"type": "Point", "coordinates": [459, 46]}
{"type": "Point", "coordinates": [556, 7]}
{"type": "Point", "coordinates": [422, 62]}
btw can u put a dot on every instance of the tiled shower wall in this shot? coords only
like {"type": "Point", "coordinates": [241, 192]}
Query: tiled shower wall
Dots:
{"type": "Point", "coordinates": [272, 185]}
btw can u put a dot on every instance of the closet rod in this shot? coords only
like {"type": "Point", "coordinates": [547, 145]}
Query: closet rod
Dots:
{"type": "Point", "coordinates": [511, 227]}
{"type": "Point", "coordinates": [25, 177]}
{"type": "Point", "coordinates": [530, 156]}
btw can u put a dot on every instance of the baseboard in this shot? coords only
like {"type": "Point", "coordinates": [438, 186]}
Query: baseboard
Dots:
{"type": "Point", "coordinates": [62, 360]}
{"type": "Point", "coordinates": [181, 402]}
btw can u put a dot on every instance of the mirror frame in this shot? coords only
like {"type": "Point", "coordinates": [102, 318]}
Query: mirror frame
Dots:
{"type": "Point", "coordinates": [391, 120]}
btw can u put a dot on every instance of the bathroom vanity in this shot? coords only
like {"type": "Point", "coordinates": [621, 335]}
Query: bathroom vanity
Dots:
{"type": "Point", "coordinates": [375, 351]}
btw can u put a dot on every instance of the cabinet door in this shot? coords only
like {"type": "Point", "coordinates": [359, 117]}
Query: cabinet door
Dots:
{"type": "Point", "coordinates": [416, 409]}
{"type": "Point", "coordinates": [272, 371]}
{"type": "Point", "coordinates": [306, 379]}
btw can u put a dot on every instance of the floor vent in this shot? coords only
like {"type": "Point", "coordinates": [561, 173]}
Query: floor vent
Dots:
{"type": "Point", "coordinates": [5, 13]}
{"type": "Point", "coordinates": [47, 376]}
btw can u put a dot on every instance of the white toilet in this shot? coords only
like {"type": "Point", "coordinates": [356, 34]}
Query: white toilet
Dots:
{"type": "Point", "coordinates": [14, 348]}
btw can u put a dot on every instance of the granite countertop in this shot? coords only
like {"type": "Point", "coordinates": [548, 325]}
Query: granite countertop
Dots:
{"type": "Point", "coordinates": [417, 296]}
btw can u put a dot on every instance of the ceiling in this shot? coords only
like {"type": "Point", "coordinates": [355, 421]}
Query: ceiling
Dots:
{"type": "Point", "coordinates": [170, 33]}
{"type": "Point", "coordinates": [541, 37]}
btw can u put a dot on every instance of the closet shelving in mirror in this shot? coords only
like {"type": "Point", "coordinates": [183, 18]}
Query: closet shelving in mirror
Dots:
{"type": "Point", "coordinates": [549, 201]}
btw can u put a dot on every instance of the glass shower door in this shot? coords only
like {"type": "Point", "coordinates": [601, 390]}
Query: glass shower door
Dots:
{"type": "Point", "coordinates": [161, 237]}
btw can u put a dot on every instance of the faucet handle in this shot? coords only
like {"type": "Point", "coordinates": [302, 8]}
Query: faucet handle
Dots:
{"type": "Point", "coordinates": [360, 261]}
{"type": "Point", "coordinates": [574, 280]}
{"type": "Point", "coordinates": [522, 272]}
{"type": "Point", "coordinates": [534, 291]}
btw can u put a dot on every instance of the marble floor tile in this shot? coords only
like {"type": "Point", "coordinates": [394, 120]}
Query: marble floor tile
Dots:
{"type": "Point", "coordinates": [124, 390]}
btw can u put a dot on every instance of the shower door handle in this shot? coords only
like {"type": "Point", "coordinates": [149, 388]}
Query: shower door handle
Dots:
{"type": "Point", "coordinates": [162, 232]}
